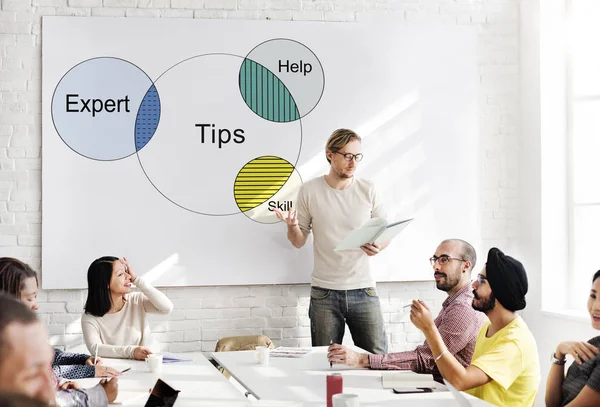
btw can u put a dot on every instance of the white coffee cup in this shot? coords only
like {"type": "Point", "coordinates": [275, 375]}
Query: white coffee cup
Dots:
{"type": "Point", "coordinates": [154, 362]}
{"type": "Point", "coordinates": [262, 355]}
{"type": "Point", "coordinates": [345, 400]}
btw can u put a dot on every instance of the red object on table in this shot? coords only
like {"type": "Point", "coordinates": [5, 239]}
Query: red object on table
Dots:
{"type": "Point", "coordinates": [335, 385]}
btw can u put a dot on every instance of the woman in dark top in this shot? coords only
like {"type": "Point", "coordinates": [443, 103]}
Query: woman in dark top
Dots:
{"type": "Point", "coordinates": [581, 386]}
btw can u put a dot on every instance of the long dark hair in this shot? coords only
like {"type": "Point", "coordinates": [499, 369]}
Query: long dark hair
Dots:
{"type": "Point", "coordinates": [99, 273]}
{"type": "Point", "coordinates": [596, 275]}
{"type": "Point", "coordinates": [13, 274]}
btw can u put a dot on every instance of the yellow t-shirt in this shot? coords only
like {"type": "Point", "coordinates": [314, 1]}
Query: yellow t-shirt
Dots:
{"type": "Point", "coordinates": [510, 358]}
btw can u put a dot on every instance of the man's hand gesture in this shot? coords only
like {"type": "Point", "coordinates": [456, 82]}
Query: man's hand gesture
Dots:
{"type": "Point", "coordinates": [290, 220]}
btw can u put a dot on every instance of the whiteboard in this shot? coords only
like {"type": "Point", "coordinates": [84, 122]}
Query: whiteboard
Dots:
{"type": "Point", "coordinates": [153, 129]}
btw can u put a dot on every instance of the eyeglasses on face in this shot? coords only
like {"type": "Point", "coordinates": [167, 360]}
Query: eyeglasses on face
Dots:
{"type": "Point", "coordinates": [350, 157]}
{"type": "Point", "coordinates": [481, 278]}
{"type": "Point", "coordinates": [443, 259]}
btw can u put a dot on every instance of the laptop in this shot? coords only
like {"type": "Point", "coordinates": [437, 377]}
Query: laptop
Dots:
{"type": "Point", "coordinates": [162, 395]}
{"type": "Point", "coordinates": [458, 396]}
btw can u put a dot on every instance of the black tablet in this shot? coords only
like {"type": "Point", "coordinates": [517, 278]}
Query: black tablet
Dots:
{"type": "Point", "coordinates": [162, 395]}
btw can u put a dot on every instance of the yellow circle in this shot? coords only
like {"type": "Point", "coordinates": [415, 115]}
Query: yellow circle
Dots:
{"type": "Point", "coordinates": [259, 180]}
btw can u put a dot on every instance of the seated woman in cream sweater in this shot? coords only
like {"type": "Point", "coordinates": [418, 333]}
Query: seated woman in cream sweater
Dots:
{"type": "Point", "coordinates": [115, 319]}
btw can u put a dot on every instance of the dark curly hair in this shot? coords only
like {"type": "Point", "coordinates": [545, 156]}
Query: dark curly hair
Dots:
{"type": "Point", "coordinates": [13, 274]}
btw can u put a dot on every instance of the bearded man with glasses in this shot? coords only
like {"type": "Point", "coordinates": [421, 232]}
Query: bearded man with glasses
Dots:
{"type": "Point", "coordinates": [457, 322]}
{"type": "Point", "coordinates": [505, 370]}
{"type": "Point", "coordinates": [343, 290]}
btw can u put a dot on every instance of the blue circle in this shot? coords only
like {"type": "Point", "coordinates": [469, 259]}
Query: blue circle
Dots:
{"type": "Point", "coordinates": [102, 106]}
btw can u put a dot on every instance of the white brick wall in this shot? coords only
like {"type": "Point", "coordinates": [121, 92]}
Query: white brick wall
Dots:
{"type": "Point", "coordinates": [204, 314]}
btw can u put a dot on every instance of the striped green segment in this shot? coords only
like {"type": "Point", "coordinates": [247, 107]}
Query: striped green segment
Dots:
{"type": "Point", "coordinates": [259, 180]}
{"type": "Point", "coordinates": [265, 94]}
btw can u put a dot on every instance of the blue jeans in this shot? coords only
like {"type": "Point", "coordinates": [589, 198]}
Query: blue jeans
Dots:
{"type": "Point", "coordinates": [360, 309]}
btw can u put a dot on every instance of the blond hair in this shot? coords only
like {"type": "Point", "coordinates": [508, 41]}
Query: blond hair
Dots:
{"type": "Point", "coordinates": [338, 139]}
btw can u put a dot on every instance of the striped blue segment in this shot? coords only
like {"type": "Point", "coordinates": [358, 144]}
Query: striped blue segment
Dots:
{"type": "Point", "coordinates": [147, 118]}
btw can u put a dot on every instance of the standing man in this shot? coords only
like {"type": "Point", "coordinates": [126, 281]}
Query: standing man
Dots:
{"type": "Point", "coordinates": [343, 290]}
{"type": "Point", "coordinates": [457, 322]}
{"type": "Point", "coordinates": [505, 370]}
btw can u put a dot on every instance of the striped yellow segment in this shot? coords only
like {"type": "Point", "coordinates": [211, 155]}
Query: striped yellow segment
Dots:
{"type": "Point", "coordinates": [259, 180]}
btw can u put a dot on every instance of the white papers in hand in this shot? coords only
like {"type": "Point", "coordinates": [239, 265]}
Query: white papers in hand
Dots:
{"type": "Point", "coordinates": [375, 230]}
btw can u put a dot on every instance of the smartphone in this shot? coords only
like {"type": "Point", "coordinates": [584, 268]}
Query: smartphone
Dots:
{"type": "Point", "coordinates": [408, 390]}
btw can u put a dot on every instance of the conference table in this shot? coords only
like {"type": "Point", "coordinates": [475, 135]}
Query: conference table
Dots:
{"type": "Point", "coordinates": [304, 380]}
{"type": "Point", "coordinates": [199, 382]}
{"type": "Point", "coordinates": [284, 382]}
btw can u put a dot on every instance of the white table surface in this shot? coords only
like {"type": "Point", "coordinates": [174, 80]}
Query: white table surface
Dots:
{"type": "Point", "coordinates": [304, 379]}
{"type": "Point", "coordinates": [200, 383]}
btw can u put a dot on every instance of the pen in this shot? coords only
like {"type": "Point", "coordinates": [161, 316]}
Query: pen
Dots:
{"type": "Point", "coordinates": [96, 355]}
{"type": "Point", "coordinates": [330, 363]}
{"type": "Point", "coordinates": [408, 305]}
{"type": "Point", "coordinates": [126, 370]}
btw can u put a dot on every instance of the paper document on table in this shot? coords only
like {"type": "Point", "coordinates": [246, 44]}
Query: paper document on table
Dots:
{"type": "Point", "coordinates": [289, 352]}
{"type": "Point", "coordinates": [173, 358]}
{"type": "Point", "coordinates": [404, 379]}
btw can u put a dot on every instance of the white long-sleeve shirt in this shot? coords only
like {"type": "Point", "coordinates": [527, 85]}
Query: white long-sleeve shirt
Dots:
{"type": "Point", "coordinates": [117, 335]}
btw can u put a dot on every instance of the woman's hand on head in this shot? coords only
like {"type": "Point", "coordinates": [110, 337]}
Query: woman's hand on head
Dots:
{"type": "Point", "coordinates": [128, 269]}
{"type": "Point", "coordinates": [141, 352]}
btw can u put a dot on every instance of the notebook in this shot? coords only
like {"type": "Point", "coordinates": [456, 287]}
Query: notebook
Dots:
{"type": "Point", "coordinates": [173, 358]}
{"type": "Point", "coordinates": [406, 379]}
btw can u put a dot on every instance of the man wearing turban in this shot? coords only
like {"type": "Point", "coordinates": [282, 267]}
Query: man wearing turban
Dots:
{"type": "Point", "coordinates": [505, 367]}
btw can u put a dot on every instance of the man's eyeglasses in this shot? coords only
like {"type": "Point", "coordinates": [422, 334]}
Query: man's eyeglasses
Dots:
{"type": "Point", "coordinates": [350, 157]}
{"type": "Point", "coordinates": [481, 278]}
{"type": "Point", "coordinates": [443, 259]}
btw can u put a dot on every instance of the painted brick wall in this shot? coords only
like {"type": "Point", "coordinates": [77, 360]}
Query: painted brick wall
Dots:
{"type": "Point", "coordinates": [204, 314]}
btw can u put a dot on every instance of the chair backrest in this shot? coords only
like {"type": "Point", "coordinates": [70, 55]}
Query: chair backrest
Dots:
{"type": "Point", "coordinates": [248, 342]}
{"type": "Point", "coordinates": [235, 343]}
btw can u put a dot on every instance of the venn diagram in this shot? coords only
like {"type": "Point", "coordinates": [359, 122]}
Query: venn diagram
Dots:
{"type": "Point", "coordinates": [216, 134]}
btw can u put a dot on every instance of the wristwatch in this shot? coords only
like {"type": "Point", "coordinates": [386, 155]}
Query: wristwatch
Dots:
{"type": "Point", "coordinates": [557, 361]}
